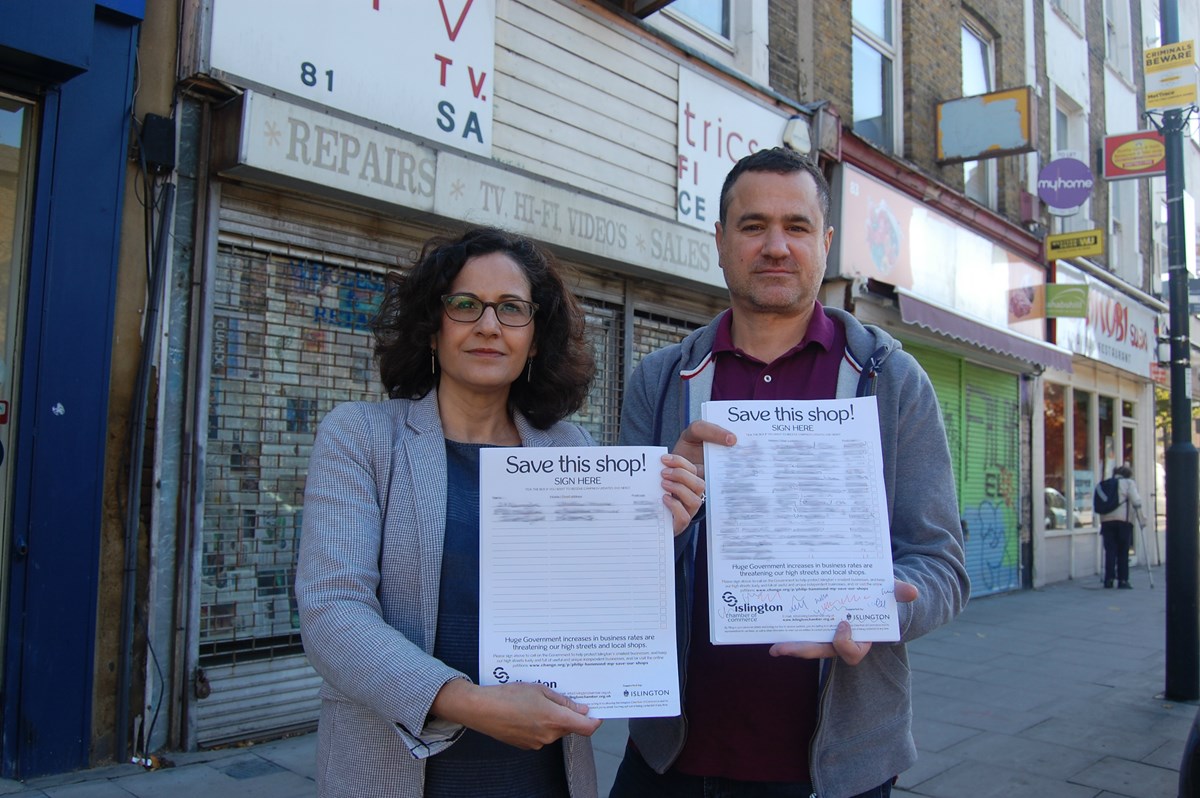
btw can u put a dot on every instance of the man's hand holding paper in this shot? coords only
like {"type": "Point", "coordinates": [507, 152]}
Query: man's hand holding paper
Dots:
{"type": "Point", "coordinates": [799, 538]}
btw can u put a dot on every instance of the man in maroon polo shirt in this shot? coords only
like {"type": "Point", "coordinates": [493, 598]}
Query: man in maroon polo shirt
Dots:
{"type": "Point", "coordinates": [792, 719]}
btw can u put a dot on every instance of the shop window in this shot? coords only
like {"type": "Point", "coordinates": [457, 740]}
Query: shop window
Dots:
{"type": "Point", "coordinates": [1054, 457]}
{"type": "Point", "coordinates": [290, 340]}
{"type": "Point", "coordinates": [1081, 446]}
{"type": "Point", "coordinates": [978, 77]}
{"type": "Point", "coordinates": [1109, 429]}
{"type": "Point", "coordinates": [875, 72]}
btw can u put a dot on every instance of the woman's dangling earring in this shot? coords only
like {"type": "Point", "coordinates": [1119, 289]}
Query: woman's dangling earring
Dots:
{"type": "Point", "coordinates": [432, 361]}
{"type": "Point", "coordinates": [529, 372]}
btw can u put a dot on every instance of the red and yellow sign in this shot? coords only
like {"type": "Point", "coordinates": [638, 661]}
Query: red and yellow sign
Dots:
{"type": "Point", "coordinates": [1130, 155]}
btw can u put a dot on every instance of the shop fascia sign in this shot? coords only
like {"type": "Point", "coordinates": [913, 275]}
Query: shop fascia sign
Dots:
{"type": "Point", "coordinates": [1065, 184]}
{"type": "Point", "coordinates": [273, 141]}
{"type": "Point", "coordinates": [424, 68]}
{"type": "Point", "coordinates": [1117, 330]}
{"type": "Point", "coordinates": [717, 127]}
{"type": "Point", "coordinates": [886, 235]}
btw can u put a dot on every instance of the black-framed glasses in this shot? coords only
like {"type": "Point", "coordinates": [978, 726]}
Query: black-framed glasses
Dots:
{"type": "Point", "coordinates": [469, 309]}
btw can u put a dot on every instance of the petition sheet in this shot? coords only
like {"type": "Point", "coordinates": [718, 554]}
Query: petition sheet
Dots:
{"type": "Point", "coordinates": [798, 535]}
{"type": "Point", "coordinates": [576, 586]}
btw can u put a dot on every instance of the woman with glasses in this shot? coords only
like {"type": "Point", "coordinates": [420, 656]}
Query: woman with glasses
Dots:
{"type": "Point", "coordinates": [479, 344]}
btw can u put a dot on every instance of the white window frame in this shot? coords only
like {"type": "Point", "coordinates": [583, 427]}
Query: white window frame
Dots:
{"type": "Point", "coordinates": [990, 194]}
{"type": "Point", "coordinates": [1076, 140]}
{"type": "Point", "coordinates": [1070, 10]}
{"type": "Point", "coordinates": [745, 50]}
{"type": "Point", "coordinates": [1118, 52]}
{"type": "Point", "coordinates": [1123, 232]}
{"type": "Point", "coordinates": [891, 51]}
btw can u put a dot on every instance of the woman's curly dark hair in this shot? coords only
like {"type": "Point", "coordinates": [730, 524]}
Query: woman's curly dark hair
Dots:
{"type": "Point", "coordinates": [411, 313]}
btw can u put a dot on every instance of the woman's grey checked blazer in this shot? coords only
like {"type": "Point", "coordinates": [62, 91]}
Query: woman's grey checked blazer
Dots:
{"type": "Point", "coordinates": [367, 589]}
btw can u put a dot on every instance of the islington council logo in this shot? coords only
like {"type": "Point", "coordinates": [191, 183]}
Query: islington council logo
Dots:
{"type": "Point", "coordinates": [734, 607]}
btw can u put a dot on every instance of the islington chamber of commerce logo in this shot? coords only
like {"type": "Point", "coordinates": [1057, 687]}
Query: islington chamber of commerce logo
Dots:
{"type": "Point", "coordinates": [735, 607]}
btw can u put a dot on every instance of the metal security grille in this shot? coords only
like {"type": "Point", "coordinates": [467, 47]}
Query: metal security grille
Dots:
{"type": "Point", "coordinates": [601, 413]}
{"type": "Point", "coordinates": [653, 331]}
{"type": "Point", "coordinates": [290, 340]}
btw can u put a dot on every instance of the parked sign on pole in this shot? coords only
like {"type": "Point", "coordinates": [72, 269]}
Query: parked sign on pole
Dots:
{"type": "Point", "coordinates": [1171, 76]}
{"type": "Point", "coordinates": [1131, 155]}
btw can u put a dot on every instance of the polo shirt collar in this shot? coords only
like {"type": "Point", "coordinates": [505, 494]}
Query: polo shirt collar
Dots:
{"type": "Point", "coordinates": [821, 331]}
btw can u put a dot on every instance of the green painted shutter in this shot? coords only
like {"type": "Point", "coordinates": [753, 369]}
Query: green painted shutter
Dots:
{"type": "Point", "coordinates": [989, 490]}
{"type": "Point", "coordinates": [945, 372]}
{"type": "Point", "coordinates": [981, 413]}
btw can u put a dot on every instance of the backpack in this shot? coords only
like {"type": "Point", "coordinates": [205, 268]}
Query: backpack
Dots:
{"type": "Point", "coordinates": [1106, 499]}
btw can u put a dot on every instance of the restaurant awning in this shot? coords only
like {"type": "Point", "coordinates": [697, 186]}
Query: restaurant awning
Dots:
{"type": "Point", "coordinates": [973, 331]}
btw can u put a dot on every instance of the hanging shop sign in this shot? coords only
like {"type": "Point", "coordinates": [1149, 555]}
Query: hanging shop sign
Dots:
{"type": "Point", "coordinates": [424, 68]}
{"type": "Point", "coordinates": [1083, 244]}
{"type": "Point", "coordinates": [986, 125]}
{"type": "Point", "coordinates": [1170, 76]}
{"type": "Point", "coordinates": [1066, 301]}
{"type": "Point", "coordinates": [1132, 155]}
{"type": "Point", "coordinates": [1064, 184]}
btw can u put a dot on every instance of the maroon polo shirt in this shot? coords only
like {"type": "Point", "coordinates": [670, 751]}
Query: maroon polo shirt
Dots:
{"type": "Point", "coordinates": [752, 716]}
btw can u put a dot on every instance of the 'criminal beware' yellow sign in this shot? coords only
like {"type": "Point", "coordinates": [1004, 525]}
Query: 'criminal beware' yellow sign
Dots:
{"type": "Point", "coordinates": [1171, 75]}
{"type": "Point", "coordinates": [1075, 245]}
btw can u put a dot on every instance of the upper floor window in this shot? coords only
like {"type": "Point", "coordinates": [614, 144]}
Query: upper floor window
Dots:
{"type": "Point", "coordinates": [979, 177]}
{"type": "Point", "coordinates": [1070, 139]}
{"type": "Point", "coordinates": [710, 14]}
{"type": "Point", "coordinates": [1123, 258]}
{"type": "Point", "coordinates": [730, 32]}
{"type": "Point", "coordinates": [1117, 50]}
{"type": "Point", "coordinates": [874, 71]}
{"type": "Point", "coordinates": [1069, 9]}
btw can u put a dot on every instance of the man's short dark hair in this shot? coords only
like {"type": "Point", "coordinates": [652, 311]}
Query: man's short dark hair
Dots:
{"type": "Point", "coordinates": [1123, 471]}
{"type": "Point", "coordinates": [558, 379]}
{"type": "Point", "coordinates": [781, 161]}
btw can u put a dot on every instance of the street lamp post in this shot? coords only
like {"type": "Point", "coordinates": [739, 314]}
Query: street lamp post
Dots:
{"type": "Point", "coordinates": [1183, 546]}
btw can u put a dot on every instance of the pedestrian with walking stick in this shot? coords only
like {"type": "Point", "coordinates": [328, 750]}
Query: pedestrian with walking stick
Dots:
{"type": "Point", "coordinates": [1116, 500]}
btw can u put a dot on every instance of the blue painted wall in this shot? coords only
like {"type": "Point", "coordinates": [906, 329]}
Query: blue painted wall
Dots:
{"type": "Point", "coordinates": [62, 409]}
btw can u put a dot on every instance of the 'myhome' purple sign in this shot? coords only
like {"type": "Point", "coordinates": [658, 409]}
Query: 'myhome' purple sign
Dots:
{"type": "Point", "coordinates": [1065, 184]}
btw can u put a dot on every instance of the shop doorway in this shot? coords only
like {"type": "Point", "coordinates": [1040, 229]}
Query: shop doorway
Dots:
{"type": "Point", "coordinates": [17, 117]}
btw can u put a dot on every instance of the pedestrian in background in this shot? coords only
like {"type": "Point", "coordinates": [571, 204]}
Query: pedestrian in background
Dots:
{"type": "Point", "coordinates": [796, 718]}
{"type": "Point", "coordinates": [1116, 527]}
{"type": "Point", "coordinates": [480, 344]}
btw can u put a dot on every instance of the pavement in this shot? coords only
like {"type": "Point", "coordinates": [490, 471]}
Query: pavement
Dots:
{"type": "Point", "coordinates": [1049, 693]}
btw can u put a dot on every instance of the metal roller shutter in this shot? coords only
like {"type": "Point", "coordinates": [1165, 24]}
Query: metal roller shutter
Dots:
{"type": "Point", "coordinates": [991, 478]}
{"type": "Point", "coordinates": [982, 417]}
{"type": "Point", "coordinates": [295, 284]}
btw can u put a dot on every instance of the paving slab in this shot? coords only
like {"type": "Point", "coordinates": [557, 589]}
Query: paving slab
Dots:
{"type": "Point", "coordinates": [1049, 693]}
